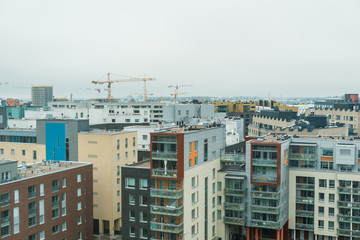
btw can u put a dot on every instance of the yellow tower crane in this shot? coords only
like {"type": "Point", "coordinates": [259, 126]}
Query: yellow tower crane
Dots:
{"type": "Point", "coordinates": [109, 82]}
{"type": "Point", "coordinates": [176, 90]}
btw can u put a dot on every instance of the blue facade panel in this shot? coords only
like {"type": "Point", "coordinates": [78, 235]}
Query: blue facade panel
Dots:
{"type": "Point", "coordinates": [55, 141]}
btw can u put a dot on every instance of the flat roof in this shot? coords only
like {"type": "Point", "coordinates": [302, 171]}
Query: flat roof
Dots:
{"type": "Point", "coordinates": [106, 132]}
{"type": "Point", "coordinates": [41, 168]}
{"type": "Point", "coordinates": [5, 161]}
{"type": "Point", "coordinates": [142, 164]}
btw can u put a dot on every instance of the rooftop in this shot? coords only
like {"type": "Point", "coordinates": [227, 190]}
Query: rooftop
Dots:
{"type": "Point", "coordinates": [4, 161]}
{"type": "Point", "coordinates": [142, 164]}
{"type": "Point", "coordinates": [106, 132]}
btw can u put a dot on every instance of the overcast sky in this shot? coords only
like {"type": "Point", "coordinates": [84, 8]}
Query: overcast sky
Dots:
{"type": "Point", "coordinates": [222, 48]}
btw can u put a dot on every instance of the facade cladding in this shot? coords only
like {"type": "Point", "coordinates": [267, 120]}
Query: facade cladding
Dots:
{"type": "Point", "coordinates": [136, 204]}
{"type": "Point", "coordinates": [46, 201]}
{"type": "Point", "coordinates": [60, 137]}
{"type": "Point", "coordinates": [41, 95]}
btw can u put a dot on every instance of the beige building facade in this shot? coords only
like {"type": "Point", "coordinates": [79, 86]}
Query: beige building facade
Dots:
{"type": "Point", "coordinates": [108, 151]}
{"type": "Point", "coordinates": [23, 152]}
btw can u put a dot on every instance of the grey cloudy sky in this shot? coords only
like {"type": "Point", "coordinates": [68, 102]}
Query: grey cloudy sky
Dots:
{"type": "Point", "coordinates": [223, 48]}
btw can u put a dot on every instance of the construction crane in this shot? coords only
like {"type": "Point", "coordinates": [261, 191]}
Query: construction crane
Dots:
{"type": "Point", "coordinates": [176, 90]}
{"type": "Point", "coordinates": [109, 82]}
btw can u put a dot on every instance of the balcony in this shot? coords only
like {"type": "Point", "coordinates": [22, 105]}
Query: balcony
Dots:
{"type": "Point", "coordinates": [263, 178]}
{"type": "Point", "coordinates": [168, 210]}
{"type": "Point", "coordinates": [234, 206]}
{"type": "Point", "coordinates": [304, 226]}
{"type": "Point", "coordinates": [349, 219]}
{"type": "Point", "coordinates": [264, 163]}
{"type": "Point", "coordinates": [161, 172]}
{"type": "Point", "coordinates": [234, 221]}
{"type": "Point", "coordinates": [165, 193]}
{"type": "Point", "coordinates": [305, 200]}
{"type": "Point", "coordinates": [304, 213]}
{"type": "Point", "coordinates": [348, 233]}
{"type": "Point", "coordinates": [265, 195]}
{"type": "Point", "coordinates": [265, 209]}
{"type": "Point", "coordinates": [166, 227]}
{"type": "Point", "coordinates": [348, 190]}
{"type": "Point", "coordinates": [302, 156]}
{"type": "Point", "coordinates": [233, 158]}
{"type": "Point", "coordinates": [265, 224]}
{"type": "Point", "coordinates": [169, 156]}
{"type": "Point", "coordinates": [355, 205]}
{"type": "Point", "coordinates": [305, 186]}
{"type": "Point", "coordinates": [234, 192]}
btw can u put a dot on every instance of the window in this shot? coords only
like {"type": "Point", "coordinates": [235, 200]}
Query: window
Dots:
{"type": "Point", "coordinates": [213, 216]}
{"type": "Point", "coordinates": [32, 192]}
{"type": "Point", "coordinates": [193, 199]}
{"type": "Point", "coordinates": [143, 183]}
{"type": "Point", "coordinates": [132, 231]}
{"type": "Point", "coordinates": [55, 186]}
{"type": "Point", "coordinates": [322, 183]}
{"type": "Point", "coordinates": [331, 198]}
{"type": "Point", "coordinates": [64, 182]}
{"type": "Point", "coordinates": [1, 151]}
{"type": "Point", "coordinates": [117, 170]}
{"type": "Point", "coordinates": [118, 156]}
{"type": "Point", "coordinates": [16, 220]}
{"type": "Point", "coordinates": [145, 137]}
{"type": "Point", "coordinates": [131, 199]}
{"type": "Point", "coordinates": [134, 141]}
{"type": "Point", "coordinates": [134, 153]}
{"type": "Point", "coordinates": [193, 230]}
{"type": "Point", "coordinates": [6, 176]}
{"type": "Point", "coordinates": [194, 183]}
{"type": "Point", "coordinates": [331, 212]}
{"type": "Point", "coordinates": [79, 206]}
{"type": "Point", "coordinates": [63, 226]}
{"type": "Point", "coordinates": [33, 236]}
{"type": "Point", "coordinates": [16, 196]}
{"type": "Point", "coordinates": [218, 214]}
{"type": "Point", "coordinates": [213, 230]}
{"type": "Point", "coordinates": [219, 200]}
{"type": "Point", "coordinates": [5, 223]}
{"type": "Point", "coordinates": [331, 225]}
{"type": "Point", "coordinates": [118, 181]}
{"type": "Point", "coordinates": [34, 155]}
{"type": "Point", "coordinates": [63, 204]}
{"type": "Point", "coordinates": [55, 206]}
{"type": "Point", "coordinates": [78, 178]}
{"type": "Point", "coordinates": [42, 235]}
{"type": "Point", "coordinates": [117, 144]}
{"type": "Point", "coordinates": [12, 152]}
{"type": "Point", "coordinates": [193, 216]}
{"type": "Point", "coordinates": [79, 220]}
{"type": "Point", "coordinates": [143, 216]}
{"type": "Point", "coordinates": [132, 215]}
{"type": "Point", "coordinates": [321, 197]}
{"type": "Point", "coordinates": [55, 229]}
{"type": "Point", "coordinates": [32, 214]}
{"type": "Point", "coordinates": [118, 207]}
{"type": "Point", "coordinates": [126, 155]}
{"type": "Point", "coordinates": [213, 202]}
{"type": "Point", "coordinates": [5, 199]}
{"type": "Point", "coordinates": [196, 146]}
{"type": "Point", "coordinates": [213, 173]}
{"type": "Point", "coordinates": [321, 224]}
{"type": "Point", "coordinates": [23, 153]}
{"type": "Point", "coordinates": [126, 142]}
{"type": "Point", "coordinates": [143, 233]}
{"type": "Point", "coordinates": [331, 184]}
{"type": "Point", "coordinates": [41, 211]}
{"type": "Point", "coordinates": [321, 211]}
{"type": "Point", "coordinates": [213, 188]}
{"type": "Point", "coordinates": [78, 192]}
{"type": "Point", "coordinates": [118, 193]}
{"type": "Point", "coordinates": [219, 187]}
{"type": "Point", "coordinates": [79, 235]}
{"type": "Point", "coordinates": [130, 182]}
{"type": "Point", "coordinates": [143, 200]}
{"type": "Point", "coordinates": [327, 152]}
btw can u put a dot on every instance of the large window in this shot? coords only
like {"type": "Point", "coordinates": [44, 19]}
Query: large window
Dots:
{"type": "Point", "coordinates": [32, 192]}
{"type": "Point", "coordinates": [5, 223]}
{"type": "Point", "coordinates": [130, 182]}
{"type": "Point", "coordinates": [5, 199]}
{"type": "Point", "coordinates": [327, 152]}
{"type": "Point", "coordinates": [32, 214]}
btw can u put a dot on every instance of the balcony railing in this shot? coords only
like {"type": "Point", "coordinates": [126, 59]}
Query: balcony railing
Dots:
{"type": "Point", "coordinates": [235, 192]}
{"type": "Point", "coordinates": [5, 221]}
{"type": "Point", "coordinates": [305, 186]}
{"type": "Point", "coordinates": [349, 219]}
{"type": "Point", "coordinates": [348, 233]}
{"type": "Point", "coordinates": [233, 158]}
{"type": "Point", "coordinates": [304, 226]}
{"type": "Point", "coordinates": [355, 205]}
{"type": "Point", "coordinates": [234, 221]}
{"type": "Point", "coordinates": [32, 211]}
{"type": "Point", "coordinates": [234, 206]}
{"type": "Point", "coordinates": [161, 172]}
{"type": "Point", "coordinates": [165, 193]}
{"type": "Point", "coordinates": [265, 195]}
{"type": "Point", "coordinates": [303, 213]}
{"type": "Point", "coordinates": [346, 190]}
{"type": "Point", "coordinates": [55, 204]}
{"type": "Point", "coordinates": [166, 227]}
{"type": "Point", "coordinates": [302, 156]}
{"type": "Point", "coordinates": [170, 156]}
{"type": "Point", "coordinates": [306, 200]}
{"type": "Point", "coordinates": [5, 202]}
{"type": "Point", "coordinates": [263, 178]}
{"type": "Point", "coordinates": [168, 210]}
{"type": "Point", "coordinates": [264, 163]}
{"type": "Point", "coordinates": [265, 209]}
{"type": "Point", "coordinates": [265, 224]}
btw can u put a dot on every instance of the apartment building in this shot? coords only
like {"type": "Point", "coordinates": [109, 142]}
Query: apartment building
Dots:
{"type": "Point", "coordinates": [135, 188]}
{"type": "Point", "coordinates": [41, 95]}
{"type": "Point", "coordinates": [184, 166]}
{"type": "Point", "coordinates": [108, 151]}
{"type": "Point", "coordinates": [46, 200]}
{"type": "Point", "coordinates": [22, 152]}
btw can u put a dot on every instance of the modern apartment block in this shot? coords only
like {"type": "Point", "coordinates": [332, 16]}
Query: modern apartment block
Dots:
{"type": "Point", "coordinates": [46, 200]}
{"type": "Point", "coordinates": [41, 95]}
{"type": "Point", "coordinates": [22, 152]}
{"type": "Point", "coordinates": [108, 151]}
{"type": "Point", "coordinates": [135, 188]}
{"type": "Point", "coordinates": [184, 166]}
